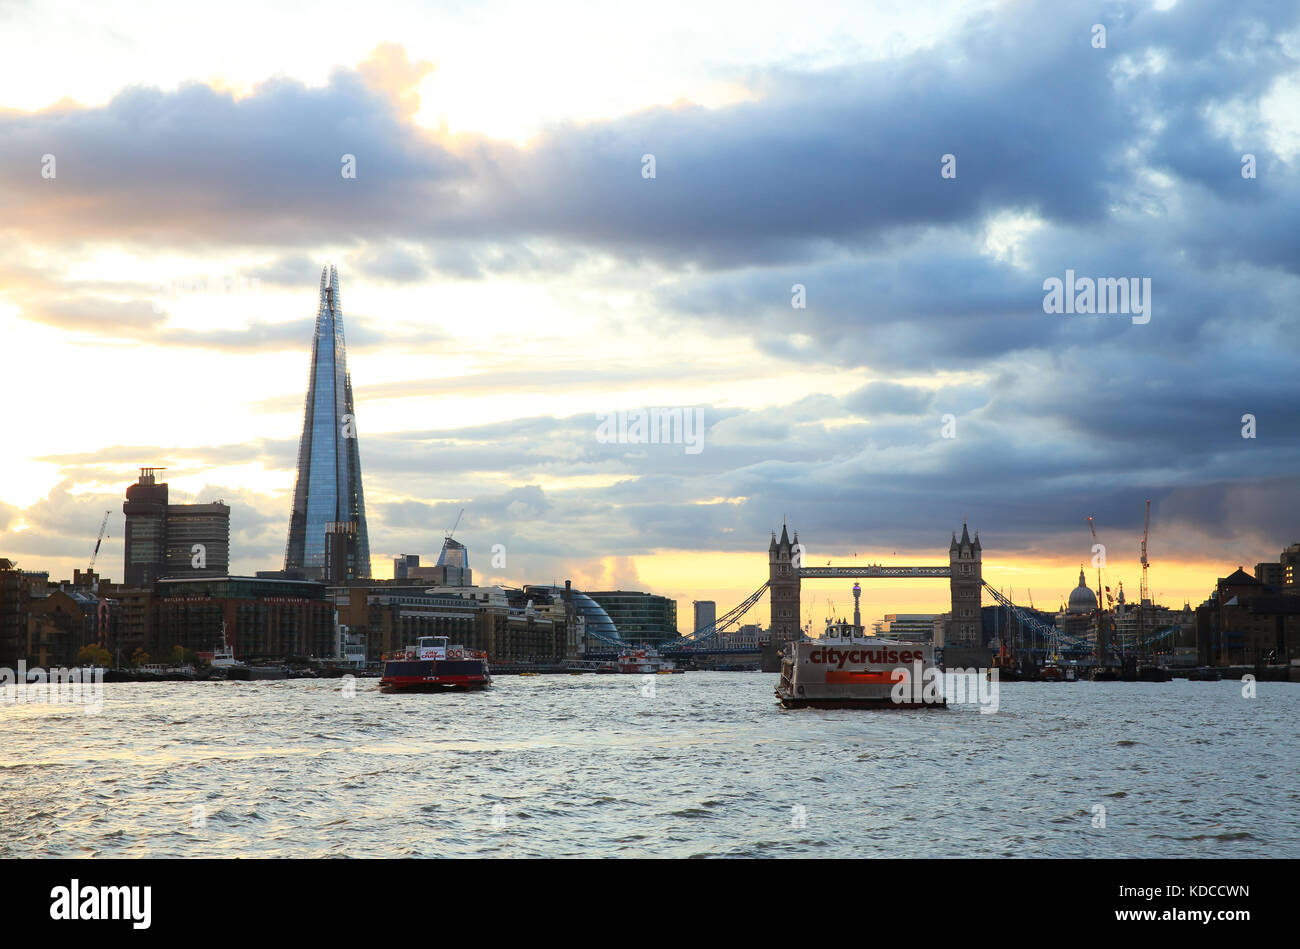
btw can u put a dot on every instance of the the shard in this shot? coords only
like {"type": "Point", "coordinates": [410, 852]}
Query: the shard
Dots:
{"type": "Point", "coordinates": [327, 529]}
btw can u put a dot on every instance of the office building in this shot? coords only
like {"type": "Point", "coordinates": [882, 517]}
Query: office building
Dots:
{"type": "Point", "coordinates": [639, 617]}
{"type": "Point", "coordinates": [706, 616]}
{"type": "Point", "coordinates": [328, 485]}
{"type": "Point", "coordinates": [402, 564]}
{"type": "Point", "coordinates": [909, 627]}
{"type": "Point", "coordinates": [172, 540]}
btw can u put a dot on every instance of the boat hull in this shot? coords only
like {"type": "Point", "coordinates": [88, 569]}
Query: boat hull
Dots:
{"type": "Point", "coordinates": [789, 701]}
{"type": "Point", "coordinates": [255, 673]}
{"type": "Point", "coordinates": [431, 675]}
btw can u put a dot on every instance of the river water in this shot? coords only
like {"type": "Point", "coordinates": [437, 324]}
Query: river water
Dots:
{"type": "Point", "coordinates": [702, 764]}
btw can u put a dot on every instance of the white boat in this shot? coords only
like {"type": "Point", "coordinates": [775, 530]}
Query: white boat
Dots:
{"type": "Point", "coordinates": [643, 661]}
{"type": "Point", "coordinates": [223, 657]}
{"type": "Point", "coordinates": [847, 669]}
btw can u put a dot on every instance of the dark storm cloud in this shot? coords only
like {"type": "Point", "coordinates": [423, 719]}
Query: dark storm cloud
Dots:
{"type": "Point", "coordinates": [1027, 106]}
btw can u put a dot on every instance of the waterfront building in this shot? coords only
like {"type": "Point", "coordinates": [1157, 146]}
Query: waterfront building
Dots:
{"type": "Point", "coordinates": [59, 624]}
{"type": "Point", "coordinates": [264, 618]}
{"type": "Point", "coordinates": [1245, 622]}
{"type": "Point", "coordinates": [328, 486]}
{"type": "Point", "coordinates": [599, 627]}
{"type": "Point", "coordinates": [12, 622]}
{"type": "Point", "coordinates": [1270, 574]}
{"type": "Point", "coordinates": [164, 539]}
{"type": "Point", "coordinates": [527, 625]}
{"type": "Point", "coordinates": [1290, 562]}
{"type": "Point", "coordinates": [639, 617]}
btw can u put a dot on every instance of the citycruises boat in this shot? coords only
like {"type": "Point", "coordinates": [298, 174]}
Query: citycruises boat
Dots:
{"type": "Point", "coordinates": [847, 669]}
{"type": "Point", "coordinates": [433, 666]}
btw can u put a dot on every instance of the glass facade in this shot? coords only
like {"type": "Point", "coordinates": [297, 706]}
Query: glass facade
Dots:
{"type": "Point", "coordinates": [328, 488]}
{"type": "Point", "coordinates": [597, 621]}
{"type": "Point", "coordinates": [640, 617]}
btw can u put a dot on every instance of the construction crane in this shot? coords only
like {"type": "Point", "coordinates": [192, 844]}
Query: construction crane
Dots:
{"type": "Point", "coordinates": [1096, 543]}
{"type": "Point", "coordinates": [1145, 593]}
{"type": "Point", "coordinates": [807, 626]}
{"type": "Point", "coordinates": [103, 526]}
{"type": "Point", "coordinates": [1102, 592]}
{"type": "Point", "coordinates": [457, 524]}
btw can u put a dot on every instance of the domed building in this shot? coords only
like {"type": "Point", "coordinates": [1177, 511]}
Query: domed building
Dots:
{"type": "Point", "coordinates": [598, 623]}
{"type": "Point", "coordinates": [1076, 619]}
{"type": "Point", "coordinates": [1082, 599]}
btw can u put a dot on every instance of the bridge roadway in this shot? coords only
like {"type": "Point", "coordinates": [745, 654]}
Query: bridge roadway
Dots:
{"type": "Point", "coordinates": [872, 571]}
{"type": "Point", "coordinates": [670, 652]}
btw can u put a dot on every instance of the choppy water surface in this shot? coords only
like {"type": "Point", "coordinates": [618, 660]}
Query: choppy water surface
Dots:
{"type": "Point", "coordinates": [708, 765]}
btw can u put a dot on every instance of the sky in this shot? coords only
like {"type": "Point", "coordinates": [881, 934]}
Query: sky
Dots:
{"type": "Point", "coordinates": [171, 185]}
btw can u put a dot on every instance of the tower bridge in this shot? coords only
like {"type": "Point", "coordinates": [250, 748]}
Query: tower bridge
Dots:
{"type": "Point", "coordinates": [964, 571]}
{"type": "Point", "coordinates": [787, 570]}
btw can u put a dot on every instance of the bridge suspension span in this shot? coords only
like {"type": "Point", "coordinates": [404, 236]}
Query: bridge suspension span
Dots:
{"type": "Point", "coordinates": [704, 639]}
{"type": "Point", "coordinates": [1050, 633]}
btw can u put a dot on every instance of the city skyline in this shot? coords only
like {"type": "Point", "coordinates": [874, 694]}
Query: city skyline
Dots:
{"type": "Point", "coordinates": [513, 273]}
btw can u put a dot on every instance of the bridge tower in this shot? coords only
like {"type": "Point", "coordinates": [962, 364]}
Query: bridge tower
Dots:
{"type": "Point", "coordinates": [783, 558]}
{"type": "Point", "coordinates": [963, 625]}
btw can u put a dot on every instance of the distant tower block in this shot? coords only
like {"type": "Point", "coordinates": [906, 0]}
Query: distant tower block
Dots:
{"type": "Point", "coordinates": [965, 585]}
{"type": "Point", "coordinates": [783, 587]}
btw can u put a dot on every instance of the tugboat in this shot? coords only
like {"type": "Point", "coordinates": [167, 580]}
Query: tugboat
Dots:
{"type": "Point", "coordinates": [433, 666]}
{"type": "Point", "coordinates": [224, 665]}
{"type": "Point", "coordinates": [847, 669]}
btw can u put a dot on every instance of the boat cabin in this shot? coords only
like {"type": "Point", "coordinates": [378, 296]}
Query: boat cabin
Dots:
{"type": "Point", "coordinates": [843, 631]}
{"type": "Point", "coordinates": [431, 647]}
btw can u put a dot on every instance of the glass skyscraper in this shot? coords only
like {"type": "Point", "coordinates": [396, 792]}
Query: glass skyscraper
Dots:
{"type": "Point", "coordinates": [327, 495]}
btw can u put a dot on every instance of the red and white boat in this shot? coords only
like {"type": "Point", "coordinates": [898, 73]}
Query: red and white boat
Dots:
{"type": "Point", "coordinates": [643, 661]}
{"type": "Point", "coordinates": [433, 666]}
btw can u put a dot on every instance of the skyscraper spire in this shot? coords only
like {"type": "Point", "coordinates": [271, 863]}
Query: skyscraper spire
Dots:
{"type": "Point", "coordinates": [327, 495]}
